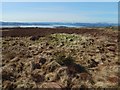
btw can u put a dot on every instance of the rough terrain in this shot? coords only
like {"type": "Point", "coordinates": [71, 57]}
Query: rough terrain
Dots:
{"type": "Point", "coordinates": [67, 58]}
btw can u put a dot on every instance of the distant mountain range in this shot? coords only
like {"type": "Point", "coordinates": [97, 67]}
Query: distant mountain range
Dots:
{"type": "Point", "coordinates": [55, 24]}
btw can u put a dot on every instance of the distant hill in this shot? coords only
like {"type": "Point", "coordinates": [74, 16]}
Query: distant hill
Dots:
{"type": "Point", "coordinates": [55, 24]}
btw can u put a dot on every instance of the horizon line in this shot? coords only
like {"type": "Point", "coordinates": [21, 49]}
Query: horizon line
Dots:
{"type": "Point", "coordinates": [55, 22]}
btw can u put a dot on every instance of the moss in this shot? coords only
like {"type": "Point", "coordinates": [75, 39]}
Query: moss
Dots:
{"type": "Point", "coordinates": [67, 39]}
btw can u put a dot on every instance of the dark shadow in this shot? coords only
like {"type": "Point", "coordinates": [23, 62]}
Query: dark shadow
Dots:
{"type": "Point", "coordinates": [76, 68]}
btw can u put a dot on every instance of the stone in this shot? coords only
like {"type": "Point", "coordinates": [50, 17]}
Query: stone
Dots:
{"type": "Point", "coordinates": [52, 66]}
{"type": "Point", "coordinates": [37, 76]}
{"type": "Point", "coordinates": [50, 77]}
{"type": "Point", "coordinates": [111, 48]}
{"type": "Point", "coordinates": [35, 65]}
{"type": "Point", "coordinates": [42, 60]}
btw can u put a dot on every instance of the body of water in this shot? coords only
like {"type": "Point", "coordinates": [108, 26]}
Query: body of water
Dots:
{"type": "Point", "coordinates": [54, 25]}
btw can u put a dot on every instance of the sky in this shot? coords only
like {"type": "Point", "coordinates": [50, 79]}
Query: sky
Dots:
{"type": "Point", "coordinates": [60, 0]}
{"type": "Point", "coordinates": [105, 12]}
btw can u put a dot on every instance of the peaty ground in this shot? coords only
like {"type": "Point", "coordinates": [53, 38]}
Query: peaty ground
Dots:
{"type": "Point", "coordinates": [60, 58]}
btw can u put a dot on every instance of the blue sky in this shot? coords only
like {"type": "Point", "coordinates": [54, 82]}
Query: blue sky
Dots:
{"type": "Point", "coordinates": [60, 12]}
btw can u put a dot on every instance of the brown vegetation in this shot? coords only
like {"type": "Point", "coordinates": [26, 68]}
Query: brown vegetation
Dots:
{"type": "Point", "coordinates": [87, 59]}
